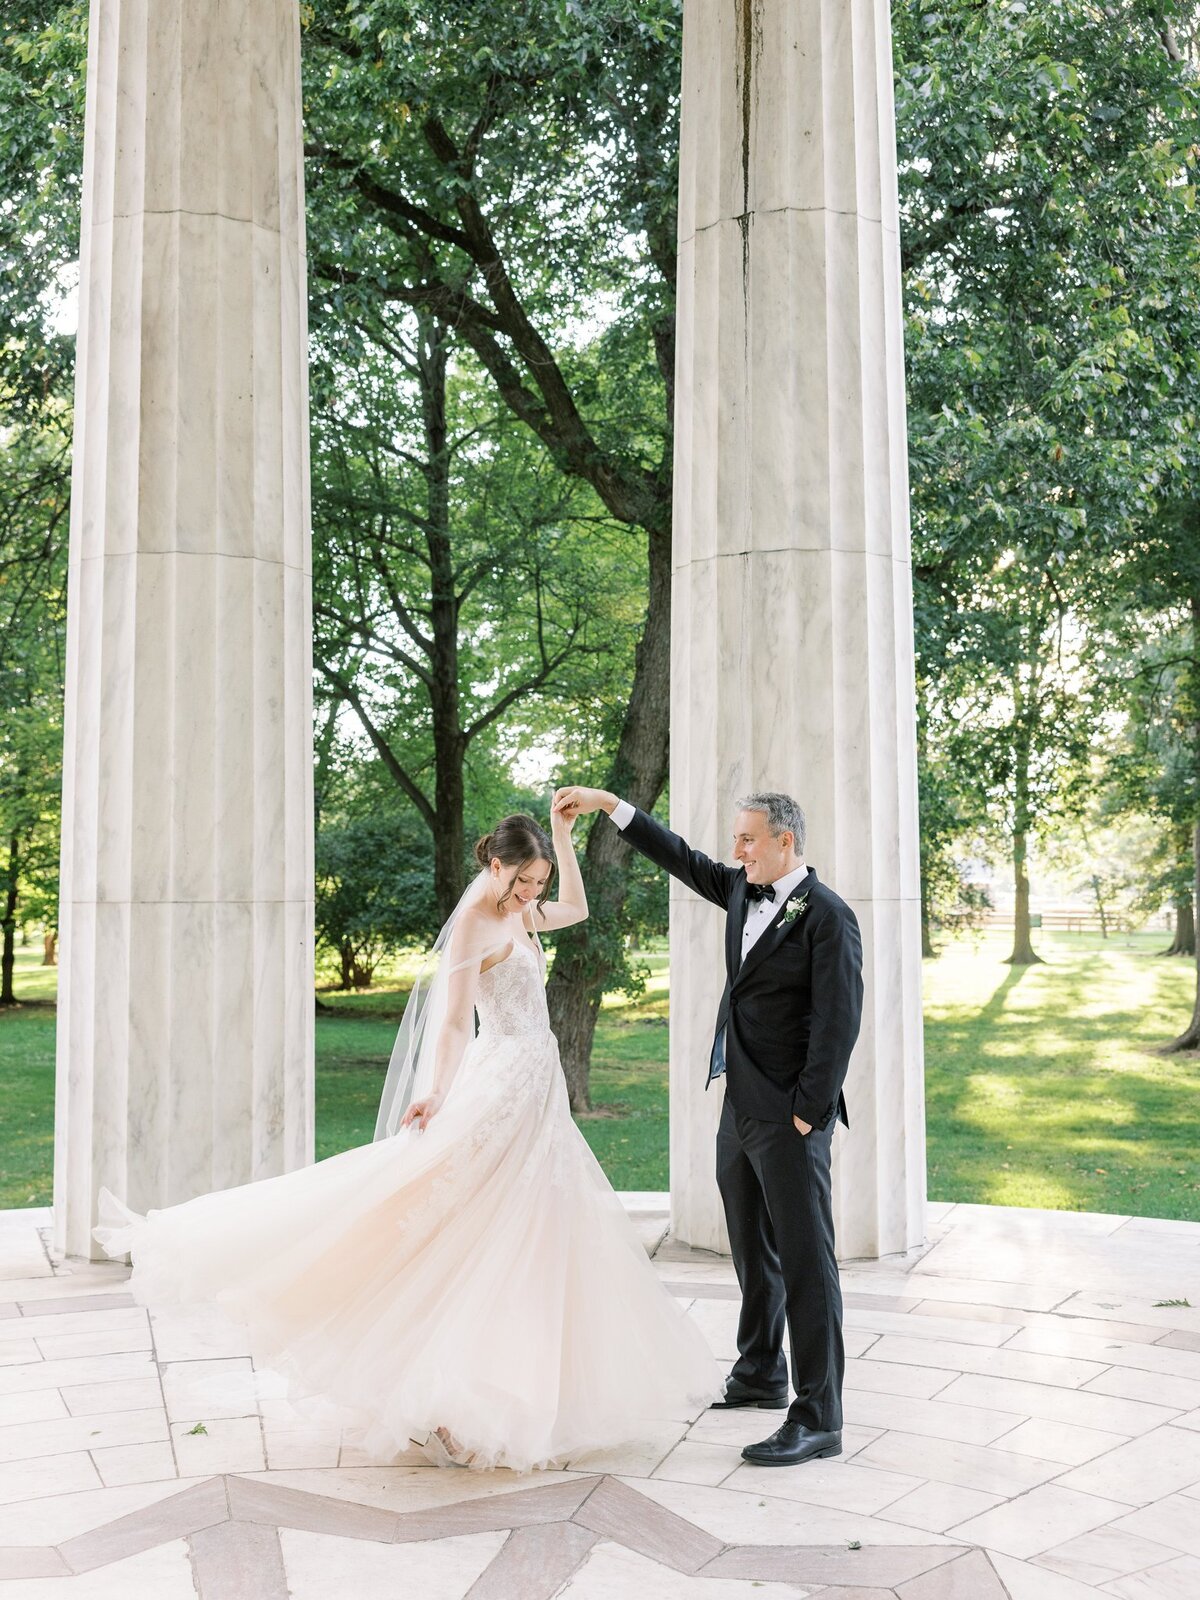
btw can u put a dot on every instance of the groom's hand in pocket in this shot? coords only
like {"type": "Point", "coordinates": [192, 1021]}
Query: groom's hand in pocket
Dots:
{"type": "Point", "coordinates": [803, 1127]}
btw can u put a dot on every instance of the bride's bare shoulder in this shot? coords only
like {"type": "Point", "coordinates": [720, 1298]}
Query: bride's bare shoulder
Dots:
{"type": "Point", "coordinates": [476, 933]}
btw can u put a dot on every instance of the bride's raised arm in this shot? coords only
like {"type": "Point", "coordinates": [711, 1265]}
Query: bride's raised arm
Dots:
{"type": "Point", "coordinates": [571, 904]}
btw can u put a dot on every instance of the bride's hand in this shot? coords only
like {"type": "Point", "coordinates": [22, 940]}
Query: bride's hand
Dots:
{"type": "Point", "coordinates": [421, 1110]}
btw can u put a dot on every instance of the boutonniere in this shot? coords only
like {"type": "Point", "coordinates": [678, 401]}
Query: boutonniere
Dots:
{"type": "Point", "coordinates": [796, 907]}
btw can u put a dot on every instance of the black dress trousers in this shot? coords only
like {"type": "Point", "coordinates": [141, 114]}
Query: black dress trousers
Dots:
{"type": "Point", "coordinates": [775, 1185]}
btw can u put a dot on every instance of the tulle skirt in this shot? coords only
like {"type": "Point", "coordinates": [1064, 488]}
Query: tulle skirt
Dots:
{"type": "Point", "coordinates": [480, 1276]}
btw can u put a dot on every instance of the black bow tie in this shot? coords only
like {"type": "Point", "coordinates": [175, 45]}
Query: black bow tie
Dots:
{"type": "Point", "coordinates": [761, 891]}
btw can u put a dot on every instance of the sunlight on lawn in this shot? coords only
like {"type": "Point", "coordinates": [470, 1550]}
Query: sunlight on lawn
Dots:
{"type": "Point", "coordinates": [1043, 1083]}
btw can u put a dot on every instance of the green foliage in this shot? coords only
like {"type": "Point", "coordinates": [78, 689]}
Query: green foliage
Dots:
{"type": "Point", "coordinates": [544, 610]}
{"type": "Point", "coordinates": [373, 891]}
{"type": "Point", "coordinates": [33, 554]}
{"type": "Point", "coordinates": [43, 51]}
{"type": "Point", "coordinates": [521, 188]}
{"type": "Point", "coordinates": [1051, 289]}
{"type": "Point", "coordinates": [516, 188]}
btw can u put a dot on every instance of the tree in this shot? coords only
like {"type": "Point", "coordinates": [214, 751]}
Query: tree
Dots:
{"type": "Point", "coordinates": [42, 61]}
{"type": "Point", "coordinates": [1159, 769]}
{"type": "Point", "coordinates": [513, 185]}
{"type": "Point", "coordinates": [32, 641]}
{"type": "Point", "coordinates": [517, 186]}
{"type": "Point", "coordinates": [1188, 711]}
{"type": "Point", "coordinates": [43, 57]}
{"type": "Point", "coordinates": [1149, 776]}
{"type": "Point", "coordinates": [450, 582]}
{"type": "Point", "coordinates": [1049, 257]}
{"type": "Point", "coordinates": [373, 891]}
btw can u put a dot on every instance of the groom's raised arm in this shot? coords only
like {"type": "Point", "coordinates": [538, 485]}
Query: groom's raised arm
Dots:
{"type": "Point", "coordinates": [713, 880]}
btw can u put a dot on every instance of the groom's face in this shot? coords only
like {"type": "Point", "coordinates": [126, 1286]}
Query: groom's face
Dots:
{"type": "Point", "coordinates": [765, 855]}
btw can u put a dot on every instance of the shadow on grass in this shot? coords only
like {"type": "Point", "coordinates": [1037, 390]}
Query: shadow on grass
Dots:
{"type": "Point", "coordinates": [1054, 1095]}
{"type": "Point", "coordinates": [991, 1011]}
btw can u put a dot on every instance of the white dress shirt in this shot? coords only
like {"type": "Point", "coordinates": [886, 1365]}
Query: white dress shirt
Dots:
{"type": "Point", "coordinates": [759, 913]}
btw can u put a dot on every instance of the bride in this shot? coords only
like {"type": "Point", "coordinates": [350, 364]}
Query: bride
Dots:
{"type": "Point", "coordinates": [469, 1280]}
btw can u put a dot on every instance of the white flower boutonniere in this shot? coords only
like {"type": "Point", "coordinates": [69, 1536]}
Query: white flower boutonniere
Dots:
{"type": "Point", "coordinates": [796, 907]}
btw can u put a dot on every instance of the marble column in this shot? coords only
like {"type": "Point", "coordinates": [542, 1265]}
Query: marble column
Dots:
{"type": "Point", "coordinates": [792, 655]}
{"type": "Point", "coordinates": [186, 1014]}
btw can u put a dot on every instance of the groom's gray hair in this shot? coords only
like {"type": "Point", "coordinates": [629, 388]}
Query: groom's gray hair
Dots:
{"type": "Point", "coordinates": [784, 814]}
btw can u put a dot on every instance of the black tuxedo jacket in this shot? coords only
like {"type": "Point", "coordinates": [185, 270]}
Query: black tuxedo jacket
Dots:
{"type": "Point", "coordinates": [791, 1010]}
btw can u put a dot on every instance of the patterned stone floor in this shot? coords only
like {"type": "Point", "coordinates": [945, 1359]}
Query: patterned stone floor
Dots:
{"type": "Point", "coordinates": [1023, 1405]}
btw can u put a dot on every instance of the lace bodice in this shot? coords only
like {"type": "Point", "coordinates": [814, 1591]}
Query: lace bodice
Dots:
{"type": "Point", "coordinates": [512, 995]}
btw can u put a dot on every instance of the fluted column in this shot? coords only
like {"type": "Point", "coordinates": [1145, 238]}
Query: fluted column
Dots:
{"type": "Point", "coordinates": [185, 1012]}
{"type": "Point", "coordinates": [792, 592]}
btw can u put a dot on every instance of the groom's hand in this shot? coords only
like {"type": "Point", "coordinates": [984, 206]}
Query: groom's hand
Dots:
{"type": "Point", "coordinates": [572, 803]}
{"type": "Point", "coordinates": [804, 1127]}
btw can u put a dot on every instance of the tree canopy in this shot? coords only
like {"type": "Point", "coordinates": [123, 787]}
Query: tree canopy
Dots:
{"type": "Point", "coordinates": [492, 236]}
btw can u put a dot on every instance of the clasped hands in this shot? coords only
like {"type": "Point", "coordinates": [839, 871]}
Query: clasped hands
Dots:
{"type": "Point", "coordinates": [572, 802]}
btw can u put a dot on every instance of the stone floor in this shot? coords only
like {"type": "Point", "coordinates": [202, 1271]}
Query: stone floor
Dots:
{"type": "Point", "coordinates": [1023, 1420]}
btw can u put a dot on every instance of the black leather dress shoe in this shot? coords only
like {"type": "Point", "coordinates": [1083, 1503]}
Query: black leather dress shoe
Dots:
{"type": "Point", "coordinates": [738, 1395]}
{"type": "Point", "coordinates": [792, 1444]}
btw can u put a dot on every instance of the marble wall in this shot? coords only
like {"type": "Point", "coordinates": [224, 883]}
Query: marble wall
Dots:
{"type": "Point", "coordinates": [792, 619]}
{"type": "Point", "coordinates": [185, 1017]}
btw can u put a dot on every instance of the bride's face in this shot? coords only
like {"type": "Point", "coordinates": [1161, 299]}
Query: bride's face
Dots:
{"type": "Point", "coordinates": [521, 885]}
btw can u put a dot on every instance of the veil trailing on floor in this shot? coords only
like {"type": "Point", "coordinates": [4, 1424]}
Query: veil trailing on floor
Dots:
{"type": "Point", "coordinates": [413, 1063]}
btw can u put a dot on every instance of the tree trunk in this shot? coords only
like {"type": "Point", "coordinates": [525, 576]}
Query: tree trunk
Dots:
{"type": "Point", "coordinates": [1189, 1039]}
{"type": "Point", "coordinates": [1098, 896]}
{"type": "Point", "coordinates": [927, 950]}
{"type": "Point", "coordinates": [346, 953]}
{"type": "Point", "coordinates": [587, 956]}
{"type": "Point", "coordinates": [1023, 953]}
{"type": "Point", "coordinates": [50, 949]}
{"type": "Point", "coordinates": [1184, 941]}
{"type": "Point", "coordinates": [7, 959]}
{"type": "Point", "coordinates": [449, 745]}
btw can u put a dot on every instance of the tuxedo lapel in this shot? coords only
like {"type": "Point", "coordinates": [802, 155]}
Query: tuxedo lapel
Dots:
{"type": "Point", "coordinates": [735, 921]}
{"type": "Point", "coordinates": [776, 932]}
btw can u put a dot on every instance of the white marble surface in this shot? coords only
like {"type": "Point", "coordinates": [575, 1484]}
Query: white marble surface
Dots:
{"type": "Point", "coordinates": [185, 1016]}
{"type": "Point", "coordinates": [792, 651]}
{"type": "Point", "coordinates": [1070, 1492]}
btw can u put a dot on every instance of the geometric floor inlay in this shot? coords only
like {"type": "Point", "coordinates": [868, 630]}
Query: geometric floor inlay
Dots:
{"type": "Point", "coordinates": [232, 1527]}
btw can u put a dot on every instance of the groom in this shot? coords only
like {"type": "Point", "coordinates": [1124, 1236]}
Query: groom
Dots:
{"type": "Point", "coordinates": [785, 1028]}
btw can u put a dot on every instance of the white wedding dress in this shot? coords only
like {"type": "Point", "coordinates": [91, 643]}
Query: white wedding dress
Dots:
{"type": "Point", "coordinates": [480, 1276]}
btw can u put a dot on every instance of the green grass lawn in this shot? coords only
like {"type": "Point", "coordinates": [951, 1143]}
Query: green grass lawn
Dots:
{"type": "Point", "coordinates": [1043, 1087]}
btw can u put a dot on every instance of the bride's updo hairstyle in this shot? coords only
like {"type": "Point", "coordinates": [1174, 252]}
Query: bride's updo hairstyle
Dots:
{"type": "Point", "coordinates": [517, 842]}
